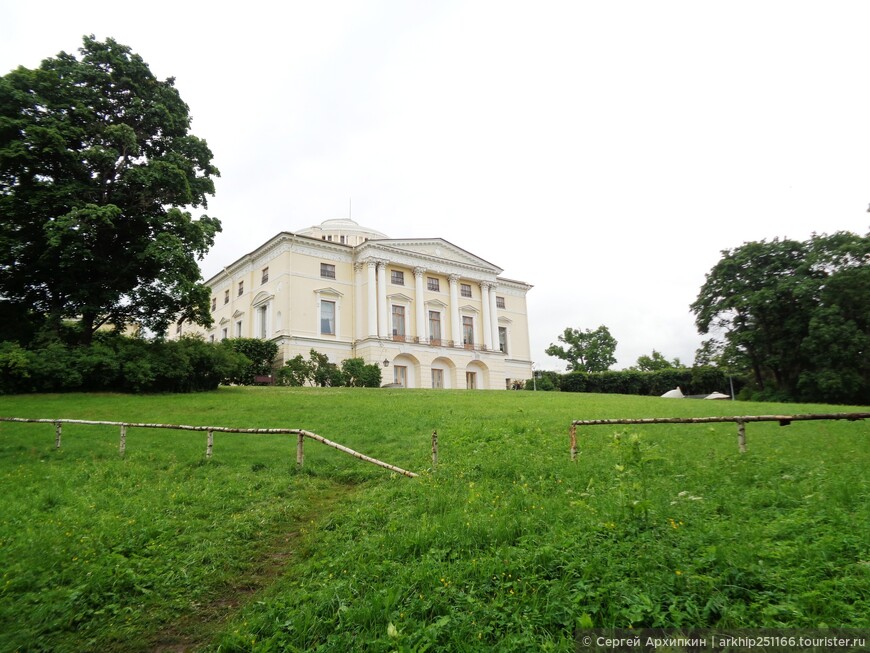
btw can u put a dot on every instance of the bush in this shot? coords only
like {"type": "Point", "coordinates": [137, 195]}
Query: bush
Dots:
{"type": "Point", "coordinates": [358, 374]}
{"type": "Point", "coordinates": [116, 363]}
{"type": "Point", "coordinates": [15, 364]}
{"type": "Point", "coordinates": [260, 355]}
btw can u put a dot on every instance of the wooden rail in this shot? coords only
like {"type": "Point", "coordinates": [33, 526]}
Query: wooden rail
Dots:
{"type": "Point", "coordinates": [211, 430]}
{"type": "Point", "coordinates": [784, 420]}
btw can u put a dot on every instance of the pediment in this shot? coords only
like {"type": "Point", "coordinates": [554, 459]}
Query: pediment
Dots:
{"type": "Point", "coordinates": [261, 298]}
{"type": "Point", "coordinates": [439, 249]}
{"type": "Point", "coordinates": [328, 291]}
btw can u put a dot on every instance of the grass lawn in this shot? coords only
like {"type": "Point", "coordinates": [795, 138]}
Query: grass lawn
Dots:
{"type": "Point", "coordinates": [508, 543]}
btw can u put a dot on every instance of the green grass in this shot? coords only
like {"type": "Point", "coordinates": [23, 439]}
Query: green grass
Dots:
{"type": "Point", "coordinates": [507, 543]}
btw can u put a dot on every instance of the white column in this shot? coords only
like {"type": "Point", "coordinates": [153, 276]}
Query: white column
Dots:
{"type": "Point", "coordinates": [421, 305]}
{"type": "Point", "coordinates": [455, 324]}
{"type": "Point", "coordinates": [383, 312]}
{"type": "Point", "coordinates": [372, 300]}
{"type": "Point", "coordinates": [487, 325]}
{"type": "Point", "coordinates": [493, 316]}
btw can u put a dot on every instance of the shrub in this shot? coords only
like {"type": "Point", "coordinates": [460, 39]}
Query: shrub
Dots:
{"type": "Point", "coordinates": [14, 368]}
{"type": "Point", "coordinates": [260, 354]}
{"type": "Point", "coordinates": [358, 374]}
{"type": "Point", "coordinates": [116, 363]}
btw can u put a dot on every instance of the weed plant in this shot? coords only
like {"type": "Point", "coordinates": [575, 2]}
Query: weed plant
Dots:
{"type": "Point", "coordinates": [507, 544]}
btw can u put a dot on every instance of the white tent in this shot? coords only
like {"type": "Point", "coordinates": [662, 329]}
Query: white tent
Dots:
{"type": "Point", "coordinates": [676, 393]}
{"type": "Point", "coordinates": [717, 395]}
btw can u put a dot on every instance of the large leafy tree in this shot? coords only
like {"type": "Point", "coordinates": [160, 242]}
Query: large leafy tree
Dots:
{"type": "Point", "coordinates": [796, 315]}
{"type": "Point", "coordinates": [97, 169]}
{"type": "Point", "coordinates": [586, 351]}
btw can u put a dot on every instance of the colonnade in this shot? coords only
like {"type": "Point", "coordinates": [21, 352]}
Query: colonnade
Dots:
{"type": "Point", "coordinates": [378, 309]}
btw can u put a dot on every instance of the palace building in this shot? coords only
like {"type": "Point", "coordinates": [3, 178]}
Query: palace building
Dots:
{"type": "Point", "coordinates": [432, 314]}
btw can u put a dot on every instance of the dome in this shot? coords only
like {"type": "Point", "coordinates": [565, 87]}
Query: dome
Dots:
{"type": "Point", "coordinates": [342, 230]}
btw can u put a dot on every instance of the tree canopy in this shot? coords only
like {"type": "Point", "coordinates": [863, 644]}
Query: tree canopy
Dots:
{"type": "Point", "coordinates": [795, 315]}
{"type": "Point", "coordinates": [586, 351]}
{"type": "Point", "coordinates": [655, 362]}
{"type": "Point", "coordinates": [96, 168]}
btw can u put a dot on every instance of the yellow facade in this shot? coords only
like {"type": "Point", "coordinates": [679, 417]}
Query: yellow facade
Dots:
{"type": "Point", "coordinates": [432, 314]}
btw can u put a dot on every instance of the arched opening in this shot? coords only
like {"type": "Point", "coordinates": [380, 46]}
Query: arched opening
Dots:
{"type": "Point", "coordinates": [443, 373]}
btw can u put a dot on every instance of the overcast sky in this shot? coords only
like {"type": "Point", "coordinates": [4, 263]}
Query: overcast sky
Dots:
{"type": "Point", "coordinates": [604, 152]}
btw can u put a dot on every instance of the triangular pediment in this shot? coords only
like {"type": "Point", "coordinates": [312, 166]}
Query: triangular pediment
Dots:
{"type": "Point", "coordinates": [436, 249]}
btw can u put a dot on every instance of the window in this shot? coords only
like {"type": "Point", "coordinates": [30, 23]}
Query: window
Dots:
{"type": "Point", "coordinates": [226, 296]}
{"type": "Point", "coordinates": [224, 333]}
{"type": "Point", "coordinates": [265, 276]}
{"type": "Point", "coordinates": [327, 318]}
{"type": "Point", "coordinates": [211, 338]}
{"type": "Point", "coordinates": [214, 303]}
{"type": "Point", "coordinates": [435, 327]}
{"type": "Point", "coordinates": [502, 339]}
{"type": "Point", "coordinates": [261, 322]}
{"type": "Point", "coordinates": [465, 290]}
{"type": "Point", "coordinates": [398, 322]}
{"type": "Point", "coordinates": [178, 329]}
{"type": "Point", "coordinates": [437, 378]}
{"type": "Point", "coordinates": [400, 375]}
{"type": "Point", "coordinates": [499, 302]}
{"type": "Point", "coordinates": [468, 331]}
{"type": "Point", "coordinates": [397, 277]}
{"type": "Point", "coordinates": [241, 288]}
{"type": "Point", "coordinates": [433, 284]}
{"type": "Point", "coordinates": [470, 380]}
{"type": "Point", "coordinates": [239, 329]}
{"type": "Point", "coordinates": [342, 240]}
{"type": "Point", "coordinates": [327, 270]}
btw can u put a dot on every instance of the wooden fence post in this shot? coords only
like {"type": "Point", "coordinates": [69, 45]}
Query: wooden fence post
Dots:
{"type": "Point", "coordinates": [209, 444]}
{"type": "Point", "coordinates": [741, 436]}
{"type": "Point", "coordinates": [123, 446]}
{"type": "Point", "coordinates": [300, 450]}
{"type": "Point", "coordinates": [58, 428]}
{"type": "Point", "coordinates": [434, 450]}
{"type": "Point", "coordinates": [573, 442]}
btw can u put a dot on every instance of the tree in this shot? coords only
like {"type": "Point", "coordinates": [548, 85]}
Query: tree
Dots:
{"type": "Point", "coordinates": [656, 361]}
{"type": "Point", "coordinates": [96, 167]}
{"type": "Point", "coordinates": [795, 315]}
{"type": "Point", "coordinates": [587, 351]}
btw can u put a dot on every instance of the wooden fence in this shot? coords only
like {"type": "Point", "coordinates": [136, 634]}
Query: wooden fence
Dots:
{"type": "Point", "coordinates": [784, 420]}
{"type": "Point", "coordinates": [211, 430]}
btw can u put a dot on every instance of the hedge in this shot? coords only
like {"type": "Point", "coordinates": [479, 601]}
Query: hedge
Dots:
{"type": "Point", "coordinates": [692, 381]}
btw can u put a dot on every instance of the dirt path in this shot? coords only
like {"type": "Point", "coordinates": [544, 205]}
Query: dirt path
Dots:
{"type": "Point", "coordinates": [197, 628]}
